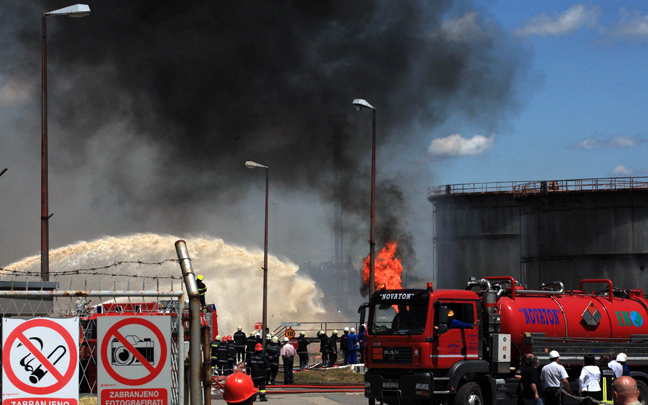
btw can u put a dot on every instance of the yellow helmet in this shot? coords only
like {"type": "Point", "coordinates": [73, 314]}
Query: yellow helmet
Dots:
{"type": "Point", "coordinates": [200, 277]}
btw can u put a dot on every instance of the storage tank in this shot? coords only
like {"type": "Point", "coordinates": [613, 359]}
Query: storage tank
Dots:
{"type": "Point", "coordinates": [542, 231]}
{"type": "Point", "coordinates": [476, 232]}
{"type": "Point", "coordinates": [587, 228]}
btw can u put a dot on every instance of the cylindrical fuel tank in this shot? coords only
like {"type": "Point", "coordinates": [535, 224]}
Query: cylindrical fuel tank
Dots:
{"type": "Point", "coordinates": [572, 316]}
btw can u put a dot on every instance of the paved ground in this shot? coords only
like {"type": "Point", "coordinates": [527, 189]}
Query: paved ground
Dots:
{"type": "Point", "coordinates": [316, 399]}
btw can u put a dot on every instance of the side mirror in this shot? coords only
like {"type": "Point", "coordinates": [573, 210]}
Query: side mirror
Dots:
{"type": "Point", "coordinates": [442, 320]}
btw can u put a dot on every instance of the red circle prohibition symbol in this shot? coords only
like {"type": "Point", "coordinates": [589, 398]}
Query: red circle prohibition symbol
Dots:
{"type": "Point", "coordinates": [61, 379]}
{"type": "Point", "coordinates": [154, 371]}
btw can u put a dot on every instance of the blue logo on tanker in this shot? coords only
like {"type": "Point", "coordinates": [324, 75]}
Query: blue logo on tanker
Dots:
{"type": "Point", "coordinates": [541, 316]}
{"type": "Point", "coordinates": [626, 318]}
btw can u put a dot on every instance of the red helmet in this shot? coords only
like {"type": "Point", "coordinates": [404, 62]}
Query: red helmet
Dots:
{"type": "Point", "coordinates": [238, 388]}
{"type": "Point", "coordinates": [258, 347]}
{"type": "Point", "coordinates": [224, 339]}
{"type": "Point", "coordinates": [229, 337]}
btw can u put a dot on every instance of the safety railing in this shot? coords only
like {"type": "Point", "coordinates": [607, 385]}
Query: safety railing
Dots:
{"type": "Point", "coordinates": [521, 188]}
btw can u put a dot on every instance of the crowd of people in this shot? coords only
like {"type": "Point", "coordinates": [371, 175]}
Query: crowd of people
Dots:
{"type": "Point", "coordinates": [261, 364]}
{"type": "Point", "coordinates": [608, 382]}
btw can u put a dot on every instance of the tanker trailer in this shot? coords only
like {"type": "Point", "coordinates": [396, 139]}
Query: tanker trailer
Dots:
{"type": "Point", "coordinates": [413, 357]}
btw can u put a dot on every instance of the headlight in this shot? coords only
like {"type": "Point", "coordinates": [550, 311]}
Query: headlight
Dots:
{"type": "Point", "coordinates": [367, 384]}
{"type": "Point", "coordinates": [421, 386]}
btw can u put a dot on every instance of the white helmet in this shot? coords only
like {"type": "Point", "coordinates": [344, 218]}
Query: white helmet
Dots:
{"type": "Point", "coordinates": [622, 358]}
{"type": "Point", "coordinates": [346, 329]}
{"type": "Point", "coordinates": [352, 330]}
{"type": "Point", "coordinates": [286, 339]}
{"type": "Point", "coordinates": [240, 328]}
{"type": "Point", "coordinates": [554, 354]}
{"type": "Point", "coordinates": [302, 333]}
{"type": "Point", "coordinates": [257, 334]}
{"type": "Point", "coordinates": [335, 332]}
{"type": "Point", "coordinates": [217, 337]}
{"type": "Point", "coordinates": [275, 339]}
{"type": "Point", "coordinates": [268, 336]}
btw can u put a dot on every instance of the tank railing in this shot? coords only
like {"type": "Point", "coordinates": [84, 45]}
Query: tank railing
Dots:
{"type": "Point", "coordinates": [521, 188]}
{"type": "Point", "coordinates": [560, 290]}
{"type": "Point", "coordinates": [598, 281]}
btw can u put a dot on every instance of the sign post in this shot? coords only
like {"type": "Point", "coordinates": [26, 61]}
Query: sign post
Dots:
{"type": "Point", "coordinates": [40, 361]}
{"type": "Point", "coordinates": [134, 360]}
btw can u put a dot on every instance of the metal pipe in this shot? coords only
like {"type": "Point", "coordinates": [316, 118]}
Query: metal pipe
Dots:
{"type": "Point", "coordinates": [206, 366]}
{"type": "Point", "coordinates": [372, 240]}
{"type": "Point", "coordinates": [44, 161]}
{"type": "Point", "coordinates": [546, 292]}
{"type": "Point", "coordinates": [194, 321]}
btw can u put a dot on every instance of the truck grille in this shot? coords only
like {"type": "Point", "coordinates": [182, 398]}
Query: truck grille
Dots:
{"type": "Point", "coordinates": [392, 355]}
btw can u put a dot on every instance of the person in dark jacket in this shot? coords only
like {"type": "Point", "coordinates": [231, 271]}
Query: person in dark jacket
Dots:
{"type": "Point", "coordinates": [323, 347]}
{"type": "Point", "coordinates": [362, 340]}
{"type": "Point", "coordinates": [214, 353]}
{"type": "Point", "coordinates": [231, 354]}
{"type": "Point", "coordinates": [258, 367]}
{"type": "Point", "coordinates": [273, 350]}
{"type": "Point", "coordinates": [222, 356]}
{"type": "Point", "coordinates": [250, 343]}
{"type": "Point", "coordinates": [302, 350]}
{"type": "Point", "coordinates": [332, 348]}
{"type": "Point", "coordinates": [607, 378]}
{"type": "Point", "coordinates": [343, 345]}
{"type": "Point", "coordinates": [239, 340]}
{"type": "Point", "coordinates": [202, 290]}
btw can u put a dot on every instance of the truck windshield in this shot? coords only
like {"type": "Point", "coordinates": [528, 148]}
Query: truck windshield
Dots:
{"type": "Point", "coordinates": [399, 317]}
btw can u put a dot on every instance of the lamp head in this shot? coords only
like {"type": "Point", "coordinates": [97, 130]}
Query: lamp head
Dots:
{"type": "Point", "coordinates": [253, 165]}
{"type": "Point", "coordinates": [76, 11]}
{"type": "Point", "coordinates": [361, 103]}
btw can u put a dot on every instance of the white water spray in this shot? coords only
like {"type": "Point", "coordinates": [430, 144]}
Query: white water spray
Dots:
{"type": "Point", "coordinates": [233, 275]}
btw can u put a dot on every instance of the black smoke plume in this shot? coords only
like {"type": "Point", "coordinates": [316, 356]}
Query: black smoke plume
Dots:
{"type": "Point", "coordinates": [212, 84]}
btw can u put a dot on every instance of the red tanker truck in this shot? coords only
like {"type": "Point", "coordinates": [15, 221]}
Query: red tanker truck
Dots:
{"type": "Point", "coordinates": [412, 357]}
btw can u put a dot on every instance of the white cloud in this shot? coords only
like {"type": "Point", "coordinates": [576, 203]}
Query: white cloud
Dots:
{"type": "Point", "coordinates": [456, 145]}
{"type": "Point", "coordinates": [631, 25]}
{"type": "Point", "coordinates": [575, 18]}
{"type": "Point", "coordinates": [463, 29]}
{"type": "Point", "coordinates": [622, 170]}
{"type": "Point", "coordinates": [617, 141]}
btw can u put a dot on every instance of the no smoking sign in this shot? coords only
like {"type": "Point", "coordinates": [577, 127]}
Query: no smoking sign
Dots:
{"type": "Point", "coordinates": [40, 361]}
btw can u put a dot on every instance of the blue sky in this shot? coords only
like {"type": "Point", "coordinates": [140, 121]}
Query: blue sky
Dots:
{"type": "Point", "coordinates": [582, 105]}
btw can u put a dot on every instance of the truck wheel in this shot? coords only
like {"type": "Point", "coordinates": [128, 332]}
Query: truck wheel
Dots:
{"type": "Point", "coordinates": [643, 391]}
{"type": "Point", "coordinates": [469, 394]}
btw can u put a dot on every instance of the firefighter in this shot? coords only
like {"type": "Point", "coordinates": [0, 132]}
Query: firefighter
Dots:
{"type": "Point", "coordinates": [258, 366]}
{"type": "Point", "coordinates": [352, 345]}
{"type": "Point", "coordinates": [273, 350]}
{"type": "Point", "coordinates": [323, 347]}
{"type": "Point", "coordinates": [214, 353]}
{"type": "Point", "coordinates": [202, 290]}
{"type": "Point", "coordinates": [239, 390]}
{"type": "Point", "coordinates": [302, 350]}
{"type": "Point", "coordinates": [239, 340]}
{"type": "Point", "coordinates": [222, 356]}
{"type": "Point", "coordinates": [343, 345]}
{"type": "Point", "coordinates": [332, 348]}
{"type": "Point", "coordinates": [250, 342]}
{"type": "Point", "coordinates": [231, 354]}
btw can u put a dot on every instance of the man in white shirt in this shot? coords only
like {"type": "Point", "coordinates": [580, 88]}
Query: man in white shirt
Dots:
{"type": "Point", "coordinates": [553, 374]}
{"type": "Point", "coordinates": [615, 365]}
{"type": "Point", "coordinates": [288, 357]}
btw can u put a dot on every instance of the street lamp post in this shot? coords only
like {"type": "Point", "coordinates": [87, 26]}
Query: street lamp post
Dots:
{"type": "Point", "coordinates": [1, 173]}
{"type": "Point", "coordinates": [252, 165]}
{"type": "Point", "coordinates": [360, 104]}
{"type": "Point", "coordinates": [78, 10]}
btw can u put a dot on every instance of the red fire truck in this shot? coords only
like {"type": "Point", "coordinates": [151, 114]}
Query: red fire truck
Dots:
{"type": "Point", "coordinates": [413, 357]}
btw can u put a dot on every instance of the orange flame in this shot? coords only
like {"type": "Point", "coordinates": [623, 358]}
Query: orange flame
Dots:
{"type": "Point", "coordinates": [388, 268]}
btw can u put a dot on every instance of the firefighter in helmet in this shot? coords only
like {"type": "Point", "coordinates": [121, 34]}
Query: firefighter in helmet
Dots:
{"type": "Point", "coordinates": [202, 290]}
{"type": "Point", "coordinates": [239, 390]}
{"type": "Point", "coordinates": [258, 366]}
